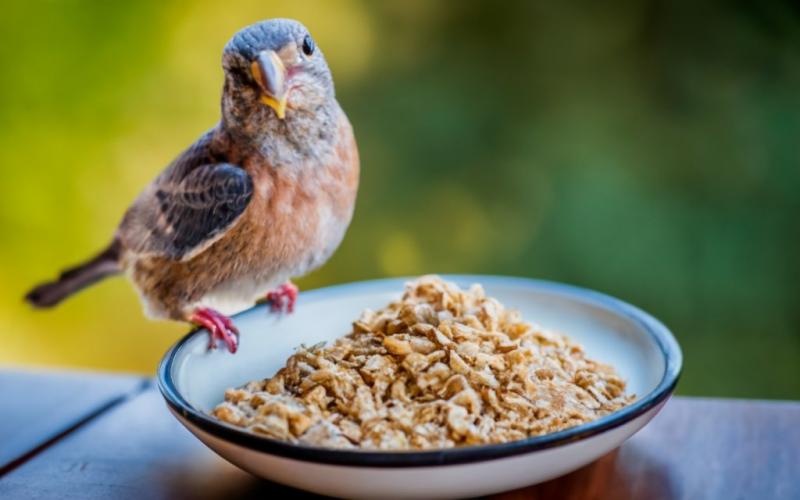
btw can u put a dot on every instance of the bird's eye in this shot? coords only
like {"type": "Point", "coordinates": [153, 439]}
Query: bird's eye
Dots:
{"type": "Point", "coordinates": [308, 45]}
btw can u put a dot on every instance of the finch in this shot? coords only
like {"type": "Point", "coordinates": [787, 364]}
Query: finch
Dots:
{"type": "Point", "coordinates": [264, 196]}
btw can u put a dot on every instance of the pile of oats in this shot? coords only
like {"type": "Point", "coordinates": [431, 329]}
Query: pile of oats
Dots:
{"type": "Point", "coordinates": [441, 367]}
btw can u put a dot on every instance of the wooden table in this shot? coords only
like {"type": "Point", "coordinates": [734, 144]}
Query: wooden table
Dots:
{"type": "Point", "coordinates": [106, 436]}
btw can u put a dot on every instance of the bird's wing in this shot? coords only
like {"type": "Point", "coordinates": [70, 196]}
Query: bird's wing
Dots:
{"type": "Point", "coordinates": [186, 209]}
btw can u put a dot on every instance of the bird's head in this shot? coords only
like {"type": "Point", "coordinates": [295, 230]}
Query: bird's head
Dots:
{"type": "Point", "coordinates": [275, 66]}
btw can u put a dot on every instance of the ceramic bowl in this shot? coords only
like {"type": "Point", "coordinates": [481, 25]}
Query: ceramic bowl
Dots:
{"type": "Point", "coordinates": [193, 380]}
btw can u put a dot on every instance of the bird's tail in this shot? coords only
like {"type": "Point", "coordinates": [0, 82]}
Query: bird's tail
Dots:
{"type": "Point", "coordinates": [106, 263]}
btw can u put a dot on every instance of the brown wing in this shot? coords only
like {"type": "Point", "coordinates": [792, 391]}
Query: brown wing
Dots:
{"type": "Point", "coordinates": [186, 209]}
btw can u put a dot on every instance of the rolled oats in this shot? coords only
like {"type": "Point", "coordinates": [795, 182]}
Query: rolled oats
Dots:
{"type": "Point", "coordinates": [441, 367]}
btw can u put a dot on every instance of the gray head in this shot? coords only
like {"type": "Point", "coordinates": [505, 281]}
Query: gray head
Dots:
{"type": "Point", "coordinates": [273, 69]}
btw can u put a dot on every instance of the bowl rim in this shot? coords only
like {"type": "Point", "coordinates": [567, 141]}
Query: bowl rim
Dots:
{"type": "Point", "coordinates": [663, 338]}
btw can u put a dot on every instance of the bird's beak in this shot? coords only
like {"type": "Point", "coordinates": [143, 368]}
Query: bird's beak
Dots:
{"type": "Point", "coordinates": [270, 73]}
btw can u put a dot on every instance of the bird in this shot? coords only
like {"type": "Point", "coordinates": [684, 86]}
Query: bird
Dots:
{"type": "Point", "coordinates": [264, 196]}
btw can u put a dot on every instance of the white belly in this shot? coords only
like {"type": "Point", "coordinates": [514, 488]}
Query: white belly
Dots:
{"type": "Point", "coordinates": [234, 296]}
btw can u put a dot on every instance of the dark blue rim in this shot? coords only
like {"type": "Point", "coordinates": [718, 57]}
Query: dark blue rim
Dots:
{"type": "Point", "coordinates": [662, 336]}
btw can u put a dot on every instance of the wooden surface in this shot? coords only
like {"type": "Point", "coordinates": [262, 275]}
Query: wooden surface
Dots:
{"type": "Point", "coordinates": [54, 403]}
{"type": "Point", "coordinates": [133, 448]}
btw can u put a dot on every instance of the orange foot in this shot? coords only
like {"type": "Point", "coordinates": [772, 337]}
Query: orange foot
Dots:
{"type": "Point", "coordinates": [219, 327]}
{"type": "Point", "coordinates": [283, 298]}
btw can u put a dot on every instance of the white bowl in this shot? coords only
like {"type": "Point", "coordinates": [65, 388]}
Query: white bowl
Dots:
{"type": "Point", "coordinates": [643, 351]}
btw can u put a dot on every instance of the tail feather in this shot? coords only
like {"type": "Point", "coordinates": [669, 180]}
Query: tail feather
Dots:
{"type": "Point", "coordinates": [106, 263]}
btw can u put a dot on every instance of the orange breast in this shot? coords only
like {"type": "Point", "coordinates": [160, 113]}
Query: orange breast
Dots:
{"type": "Point", "coordinates": [296, 219]}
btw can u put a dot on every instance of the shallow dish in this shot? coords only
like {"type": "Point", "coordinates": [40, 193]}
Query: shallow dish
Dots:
{"type": "Point", "coordinates": [642, 350]}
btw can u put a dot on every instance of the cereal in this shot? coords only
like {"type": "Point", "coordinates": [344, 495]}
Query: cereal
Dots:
{"type": "Point", "coordinates": [439, 368]}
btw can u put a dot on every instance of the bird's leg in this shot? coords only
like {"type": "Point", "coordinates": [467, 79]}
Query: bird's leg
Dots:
{"type": "Point", "coordinates": [283, 298]}
{"type": "Point", "coordinates": [219, 327]}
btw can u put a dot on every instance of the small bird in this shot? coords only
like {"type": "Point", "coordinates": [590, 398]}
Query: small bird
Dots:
{"type": "Point", "coordinates": [264, 196]}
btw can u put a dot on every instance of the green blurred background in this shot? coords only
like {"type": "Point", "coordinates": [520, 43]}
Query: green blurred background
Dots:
{"type": "Point", "coordinates": [645, 149]}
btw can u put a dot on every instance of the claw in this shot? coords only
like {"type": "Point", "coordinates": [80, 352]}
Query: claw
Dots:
{"type": "Point", "coordinates": [219, 327]}
{"type": "Point", "coordinates": [283, 298]}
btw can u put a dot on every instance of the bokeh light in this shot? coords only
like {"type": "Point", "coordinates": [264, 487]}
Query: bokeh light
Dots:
{"type": "Point", "coordinates": [646, 149]}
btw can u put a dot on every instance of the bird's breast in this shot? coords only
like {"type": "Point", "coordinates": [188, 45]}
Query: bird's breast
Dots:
{"type": "Point", "coordinates": [299, 212]}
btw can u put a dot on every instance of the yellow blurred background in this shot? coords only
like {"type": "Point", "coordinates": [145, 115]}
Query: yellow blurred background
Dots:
{"type": "Point", "coordinates": [647, 150]}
